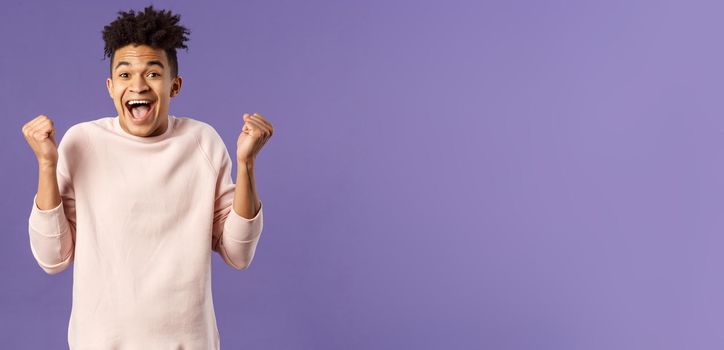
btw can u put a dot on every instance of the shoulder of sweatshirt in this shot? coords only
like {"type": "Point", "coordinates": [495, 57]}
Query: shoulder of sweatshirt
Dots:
{"type": "Point", "coordinates": [75, 133]}
{"type": "Point", "coordinates": [80, 134]}
{"type": "Point", "coordinates": [210, 142]}
{"type": "Point", "coordinates": [75, 140]}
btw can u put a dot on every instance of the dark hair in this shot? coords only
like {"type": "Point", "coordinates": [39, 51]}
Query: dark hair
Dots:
{"type": "Point", "coordinates": [158, 29]}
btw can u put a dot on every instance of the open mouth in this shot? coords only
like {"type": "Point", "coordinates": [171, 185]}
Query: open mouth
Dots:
{"type": "Point", "coordinates": [140, 109]}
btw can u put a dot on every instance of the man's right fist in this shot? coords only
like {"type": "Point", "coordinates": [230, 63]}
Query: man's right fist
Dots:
{"type": "Point", "coordinates": [40, 135]}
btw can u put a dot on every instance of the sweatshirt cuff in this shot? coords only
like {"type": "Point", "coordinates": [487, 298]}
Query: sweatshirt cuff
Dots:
{"type": "Point", "coordinates": [242, 229]}
{"type": "Point", "coordinates": [49, 222]}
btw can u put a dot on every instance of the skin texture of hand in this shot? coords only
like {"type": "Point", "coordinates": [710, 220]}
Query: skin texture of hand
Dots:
{"type": "Point", "coordinates": [40, 135]}
{"type": "Point", "coordinates": [254, 134]}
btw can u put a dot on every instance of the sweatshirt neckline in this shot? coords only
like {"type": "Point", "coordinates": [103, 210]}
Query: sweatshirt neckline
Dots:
{"type": "Point", "coordinates": [148, 139]}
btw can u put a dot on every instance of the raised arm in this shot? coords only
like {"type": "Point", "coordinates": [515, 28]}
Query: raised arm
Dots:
{"type": "Point", "coordinates": [52, 233]}
{"type": "Point", "coordinates": [238, 216]}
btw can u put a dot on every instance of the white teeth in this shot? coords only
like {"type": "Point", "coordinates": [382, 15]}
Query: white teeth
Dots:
{"type": "Point", "coordinates": [135, 102]}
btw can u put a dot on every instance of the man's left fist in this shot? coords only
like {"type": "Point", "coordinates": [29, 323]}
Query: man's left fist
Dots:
{"type": "Point", "coordinates": [254, 134]}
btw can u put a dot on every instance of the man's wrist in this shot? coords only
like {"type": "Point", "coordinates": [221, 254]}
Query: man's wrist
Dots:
{"type": "Point", "coordinates": [246, 163]}
{"type": "Point", "coordinates": [47, 166]}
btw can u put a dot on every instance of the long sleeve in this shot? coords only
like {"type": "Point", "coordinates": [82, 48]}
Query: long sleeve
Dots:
{"type": "Point", "coordinates": [234, 237]}
{"type": "Point", "coordinates": [52, 231]}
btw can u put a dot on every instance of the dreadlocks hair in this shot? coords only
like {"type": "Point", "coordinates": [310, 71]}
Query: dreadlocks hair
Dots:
{"type": "Point", "coordinates": [158, 29]}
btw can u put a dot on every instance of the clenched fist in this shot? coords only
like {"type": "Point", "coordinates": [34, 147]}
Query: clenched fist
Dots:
{"type": "Point", "coordinates": [40, 134]}
{"type": "Point", "coordinates": [254, 134]}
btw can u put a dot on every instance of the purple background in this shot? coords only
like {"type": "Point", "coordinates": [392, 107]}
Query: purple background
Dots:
{"type": "Point", "coordinates": [443, 175]}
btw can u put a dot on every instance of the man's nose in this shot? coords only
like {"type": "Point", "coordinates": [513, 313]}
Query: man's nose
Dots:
{"type": "Point", "coordinates": [138, 85]}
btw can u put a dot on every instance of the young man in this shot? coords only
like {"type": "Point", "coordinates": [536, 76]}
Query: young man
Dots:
{"type": "Point", "coordinates": [139, 201]}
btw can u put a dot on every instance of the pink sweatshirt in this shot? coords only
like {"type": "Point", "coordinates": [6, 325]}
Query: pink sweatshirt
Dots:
{"type": "Point", "coordinates": [140, 216]}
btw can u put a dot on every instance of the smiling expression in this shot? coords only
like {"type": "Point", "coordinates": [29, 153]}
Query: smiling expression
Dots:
{"type": "Point", "coordinates": [141, 72]}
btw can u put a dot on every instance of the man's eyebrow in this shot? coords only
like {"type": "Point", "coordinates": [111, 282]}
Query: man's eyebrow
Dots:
{"type": "Point", "coordinates": [149, 63]}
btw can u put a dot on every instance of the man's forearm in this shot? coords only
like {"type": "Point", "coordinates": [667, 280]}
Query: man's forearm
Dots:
{"type": "Point", "coordinates": [48, 192]}
{"type": "Point", "coordinates": [246, 201]}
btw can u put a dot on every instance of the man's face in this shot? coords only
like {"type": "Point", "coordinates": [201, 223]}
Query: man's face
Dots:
{"type": "Point", "coordinates": [141, 72]}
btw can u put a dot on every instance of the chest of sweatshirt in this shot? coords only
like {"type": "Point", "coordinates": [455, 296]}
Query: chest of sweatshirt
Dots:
{"type": "Point", "coordinates": [130, 195]}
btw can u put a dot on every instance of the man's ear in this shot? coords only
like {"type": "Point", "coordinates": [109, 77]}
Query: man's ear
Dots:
{"type": "Point", "coordinates": [109, 85]}
{"type": "Point", "coordinates": [176, 87]}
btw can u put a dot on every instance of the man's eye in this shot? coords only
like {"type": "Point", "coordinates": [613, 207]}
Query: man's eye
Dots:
{"type": "Point", "coordinates": [122, 75]}
{"type": "Point", "coordinates": [158, 75]}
